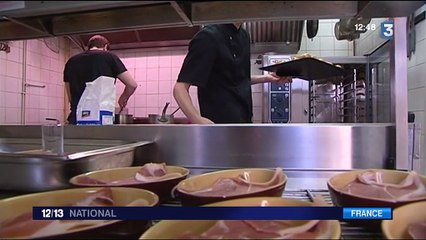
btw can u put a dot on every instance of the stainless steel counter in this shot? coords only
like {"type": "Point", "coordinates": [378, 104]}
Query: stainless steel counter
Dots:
{"type": "Point", "coordinates": [316, 147]}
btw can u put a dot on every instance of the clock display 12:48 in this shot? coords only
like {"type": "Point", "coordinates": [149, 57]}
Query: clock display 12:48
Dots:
{"type": "Point", "coordinates": [359, 27]}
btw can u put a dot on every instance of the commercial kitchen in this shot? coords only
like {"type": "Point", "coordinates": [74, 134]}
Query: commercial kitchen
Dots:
{"type": "Point", "coordinates": [371, 118]}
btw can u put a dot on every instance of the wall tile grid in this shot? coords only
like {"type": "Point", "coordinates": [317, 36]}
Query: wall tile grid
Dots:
{"type": "Point", "coordinates": [155, 71]}
{"type": "Point", "coordinates": [325, 44]}
{"type": "Point", "coordinates": [45, 68]}
{"type": "Point", "coordinates": [10, 84]}
{"type": "Point", "coordinates": [42, 67]}
{"type": "Point", "coordinates": [417, 86]}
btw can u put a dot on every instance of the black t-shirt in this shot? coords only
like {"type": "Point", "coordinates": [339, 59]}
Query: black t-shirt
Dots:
{"type": "Point", "coordinates": [218, 63]}
{"type": "Point", "coordinates": [87, 67]}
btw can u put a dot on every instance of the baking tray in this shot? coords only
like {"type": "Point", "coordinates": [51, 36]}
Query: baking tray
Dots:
{"type": "Point", "coordinates": [28, 169]}
{"type": "Point", "coordinates": [306, 68]}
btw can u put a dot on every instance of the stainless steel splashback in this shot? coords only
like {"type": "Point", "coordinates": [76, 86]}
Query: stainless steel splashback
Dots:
{"type": "Point", "coordinates": [290, 146]}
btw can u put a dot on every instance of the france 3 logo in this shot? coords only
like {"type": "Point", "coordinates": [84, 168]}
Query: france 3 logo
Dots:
{"type": "Point", "coordinates": [386, 30]}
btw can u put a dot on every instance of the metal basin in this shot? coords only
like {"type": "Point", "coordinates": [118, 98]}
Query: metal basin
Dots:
{"type": "Point", "coordinates": [28, 169]}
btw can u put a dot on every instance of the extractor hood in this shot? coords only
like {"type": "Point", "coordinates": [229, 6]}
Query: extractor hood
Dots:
{"type": "Point", "coordinates": [146, 22]}
{"type": "Point", "coordinates": [282, 37]}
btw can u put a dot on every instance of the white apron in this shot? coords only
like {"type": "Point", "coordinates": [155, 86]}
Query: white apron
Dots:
{"type": "Point", "coordinates": [97, 103]}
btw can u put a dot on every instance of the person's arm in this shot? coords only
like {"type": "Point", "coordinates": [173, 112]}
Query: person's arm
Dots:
{"type": "Point", "coordinates": [255, 79]}
{"type": "Point", "coordinates": [183, 99]}
{"type": "Point", "coordinates": [130, 87]}
{"type": "Point", "coordinates": [68, 90]}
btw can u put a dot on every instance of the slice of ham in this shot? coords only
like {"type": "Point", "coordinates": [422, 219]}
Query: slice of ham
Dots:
{"type": "Point", "coordinates": [102, 197]}
{"type": "Point", "coordinates": [150, 172]}
{"type": "Point", "coordinates": [242, 184]}
{"type": "Point", "coordinates": [21, 226]}
{"type": "Point", "coordinates": [153, 169]}
{"type": "Point", "coordinates": [267, 229]}
{"type": "Point", "coordinates": [230, 229]}
{"type": "Point", "coordinates": [24, 226]}
{"type": "Point", "coordinates": [417, 230]}
{"type": "Point", "coordinates": [371, 184]}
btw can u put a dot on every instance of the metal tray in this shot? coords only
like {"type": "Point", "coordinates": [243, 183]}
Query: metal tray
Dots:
{"type": "Point", "coordinates": [27, 169]}
{"type": "Point", "coordinates": [306, 68]}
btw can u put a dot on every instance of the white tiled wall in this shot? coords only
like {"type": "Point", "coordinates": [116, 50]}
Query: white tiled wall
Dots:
{"type": "Point", "coordinates": [325, 44]}
{"type": "Point", "coordinates": [43, 68]}
{"type": "Point", "coordinates": [10, 84]}
{"type": "Point", "coordinates": [155, 71]}
{"type": "Point", "coordinates": [417, 85]}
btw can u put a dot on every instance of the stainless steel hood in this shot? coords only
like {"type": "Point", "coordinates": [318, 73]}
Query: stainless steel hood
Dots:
{"type": "Point", "coordinates": [145, 23]}
{"type": "Point", "coordinates": [283, 37]}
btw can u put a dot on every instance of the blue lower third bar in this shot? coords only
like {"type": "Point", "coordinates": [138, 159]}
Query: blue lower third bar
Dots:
{"type": "Point", "coordinates": [367, 213]}
{"type": "Point", "coordinates": [187, 213]}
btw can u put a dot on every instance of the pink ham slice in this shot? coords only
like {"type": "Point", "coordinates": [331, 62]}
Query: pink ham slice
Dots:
{"type": "Point", "coordinates": [371, 184]}
{"type": "Point", "coordinates": [417, 230]}
{"type": "Point", "coordinates": [231, 229]}
{"type": "Point", "coordinates": [102, 197]}
{"type": "Point", "coordinates": [237, 185]}
{"type": "Point", "coordinates": [21, 226]}
{"type": "Point", "coordinates": [153, 169]}
{"type": "Point", "coordinates": [24, 226]}
{"type": "Point", "coordinates": [150, 172]}
{"type": "Point", "coordinates": [267, 229]}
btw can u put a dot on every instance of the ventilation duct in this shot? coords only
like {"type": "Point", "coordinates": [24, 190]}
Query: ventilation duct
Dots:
{"type": "Point", "coordinates": [281, 37]}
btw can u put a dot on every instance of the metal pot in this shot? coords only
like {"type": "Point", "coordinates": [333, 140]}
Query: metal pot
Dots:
{"type": "Point", "coordinates": [162, 118]}
{"type": "Point", "coordinates": [123, 119]}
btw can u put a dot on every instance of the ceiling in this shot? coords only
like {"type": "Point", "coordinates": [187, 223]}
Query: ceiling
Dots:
{"type": "Point", "coordinates": [138, 24]}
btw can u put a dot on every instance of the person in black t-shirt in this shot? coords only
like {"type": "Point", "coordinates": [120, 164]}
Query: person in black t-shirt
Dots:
{"type": "Point", "coordinates": [88, 66]}
{"type": "Point", "coordinates": [218, 63]}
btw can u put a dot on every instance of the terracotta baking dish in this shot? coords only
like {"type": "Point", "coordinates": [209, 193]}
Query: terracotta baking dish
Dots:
{"type": "Point", "coordinates": [260, 175]}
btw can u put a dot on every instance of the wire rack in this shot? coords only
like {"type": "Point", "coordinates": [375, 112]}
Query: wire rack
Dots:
{"type": "Point", "coordinates": [348, 231]}
{"type": "Point", "coordinates": [339, 101]}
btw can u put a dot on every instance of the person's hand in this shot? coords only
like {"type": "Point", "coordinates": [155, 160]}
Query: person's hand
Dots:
{"type": "Point", "coordinates": [122, 101]}
{"type": "Point", "coordinates": [202, 120]}
{"type": "Point", "coordinates": [273, 77]}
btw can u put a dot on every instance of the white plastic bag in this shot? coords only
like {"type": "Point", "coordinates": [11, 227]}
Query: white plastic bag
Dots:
{"type": "Point", "coordinates": [97, 103]}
